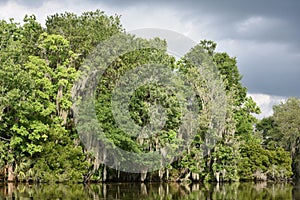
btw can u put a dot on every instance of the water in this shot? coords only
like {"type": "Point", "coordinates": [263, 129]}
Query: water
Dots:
{"type": "Point", "coordinates": [244, 191]}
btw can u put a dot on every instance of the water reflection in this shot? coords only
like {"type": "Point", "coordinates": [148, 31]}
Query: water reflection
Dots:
{"type": "Point", "coordinates": [151, 191]}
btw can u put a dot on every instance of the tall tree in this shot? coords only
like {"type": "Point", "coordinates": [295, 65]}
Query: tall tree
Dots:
{"type": "Point", "coordinates": [287, 118]}
{"type": "Point", "coordinates": [84, 32]}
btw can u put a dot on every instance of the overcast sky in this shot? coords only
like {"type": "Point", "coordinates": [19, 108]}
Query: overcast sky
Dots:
{"type": "Point", "coordinates": [262, 34]}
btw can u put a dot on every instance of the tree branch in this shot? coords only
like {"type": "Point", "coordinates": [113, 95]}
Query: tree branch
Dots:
{"type": "Point", "coordinates": [5, 139]}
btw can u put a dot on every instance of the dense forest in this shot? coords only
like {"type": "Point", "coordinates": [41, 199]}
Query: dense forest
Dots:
{"type": "Point", "coordinates": [39, 141]}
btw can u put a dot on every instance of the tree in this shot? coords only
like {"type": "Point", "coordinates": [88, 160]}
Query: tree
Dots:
{"type": "Point", "coordinates": [287, 118]}
{"type": "Point", "coordinates": [37, 68]}
{"type": "Point", "coordinates": [270, 133]}
{"type": "Point", "coordinates": [257, 162]}
{"type": "Point", "coordinates": [84, 32]}
{"type": "Point", "coordinates": [12, 89]}
{"type": "Point", "coordinates": [141, 103]}
{"type": "Point", "coordinates": [35, 96]}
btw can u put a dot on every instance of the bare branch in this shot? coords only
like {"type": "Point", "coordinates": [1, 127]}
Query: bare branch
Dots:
{"type": "Point", "coordinates": [2, 138]}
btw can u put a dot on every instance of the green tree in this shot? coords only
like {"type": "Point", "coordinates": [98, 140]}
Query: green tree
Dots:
{"type": "Point", "coordinates": [35, 99]}
{"type": "Point", "coordinates": [37, 73]}
{"type": "Point", "coordinates": [84, 32]}
{"type": "Point", "coordinates": [287, 118]}
{"type": "Point", "coordinates": [269, 132]}
{"type": "Point", "coordinates": [259, 163]}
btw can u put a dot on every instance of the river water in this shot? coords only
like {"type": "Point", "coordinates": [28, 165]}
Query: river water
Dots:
{"type": "Point", "coordinates": [132, 191]}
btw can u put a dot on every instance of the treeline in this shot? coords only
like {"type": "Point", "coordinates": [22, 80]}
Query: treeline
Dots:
{"type": "Point", "coordinates": [39, 140]}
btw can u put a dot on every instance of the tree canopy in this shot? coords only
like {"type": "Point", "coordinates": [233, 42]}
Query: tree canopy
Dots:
{"type": "Point", "coordinates": [39, 141]}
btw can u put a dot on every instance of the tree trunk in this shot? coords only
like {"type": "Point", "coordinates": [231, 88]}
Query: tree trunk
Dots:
{"type": "Point", "coordinates": [62, 113]}
{"type": "Point", "coordinates": [195, 176]}
{"type": "Point", "coordinates": [104, 174]}
{"type": "Point", "coordinates": [186, 178]}
{"type": "Point", "coordinates": [161, 173]}
{"type": "Point", "coordinates": [11, 176]}
{"type": "Point", "coordinates": [104, 177]}
{"type": "Point", "coordinates": [217, 176]}
{"type": "Point", "coordinates": [167, 174]}
{"type": "Point", "coordinates": [143, 176]}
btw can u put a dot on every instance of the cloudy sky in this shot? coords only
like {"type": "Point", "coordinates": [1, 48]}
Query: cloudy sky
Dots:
{"type": "Point", "coordinates": [262, 34]}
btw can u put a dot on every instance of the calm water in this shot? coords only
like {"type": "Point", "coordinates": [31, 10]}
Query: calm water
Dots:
{"type": "Point", "coordinates": [130, 191]}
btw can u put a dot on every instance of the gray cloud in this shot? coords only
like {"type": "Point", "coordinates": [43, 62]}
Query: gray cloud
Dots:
{"type": "Point", "coordinates": [27, 3]}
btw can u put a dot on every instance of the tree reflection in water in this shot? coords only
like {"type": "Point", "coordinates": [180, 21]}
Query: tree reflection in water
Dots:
{"type": "Point", "coordinates": [244, 191]}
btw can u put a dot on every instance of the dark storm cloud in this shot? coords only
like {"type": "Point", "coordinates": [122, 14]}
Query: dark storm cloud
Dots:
{"type": "Point", "coordinates": [283, 16]}
{"type": "Point", "coordinates": [226, 14]}
{"type": "Point", "coordinates": [280, 78]}
{"type": "Point", "coordinates": [279, 20]}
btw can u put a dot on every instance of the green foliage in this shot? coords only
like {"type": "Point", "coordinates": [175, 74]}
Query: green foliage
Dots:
{"type": "Point", "coordinates": [35, 95]}
{"type": "Point", "coordinates": [38, 67]}
{"type": "Point", "coordinates": [287, 118]}
{"type": "Point", "coordinates": [61, 163]}
{"type": "Point", "coordinates": [242, 106]}
{"type": "Point", "coordinates": [83, 32]}
{"type": "Point", "coordinates": [226, 158]}
{"type": "Point", "coordinates": [270, 133]}
{"type": "Point", "coordinates": [281, 130]}
{"type": "Point", "coordinates": [276, 164]}
{"type": "Point", "coordinates": [223, 160]}
{"type": "Point", "coordinates": [142, 102]}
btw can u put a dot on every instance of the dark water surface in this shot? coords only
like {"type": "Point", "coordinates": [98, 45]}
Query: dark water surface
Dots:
{"type": "Point", "coordinates": [243, 191]}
